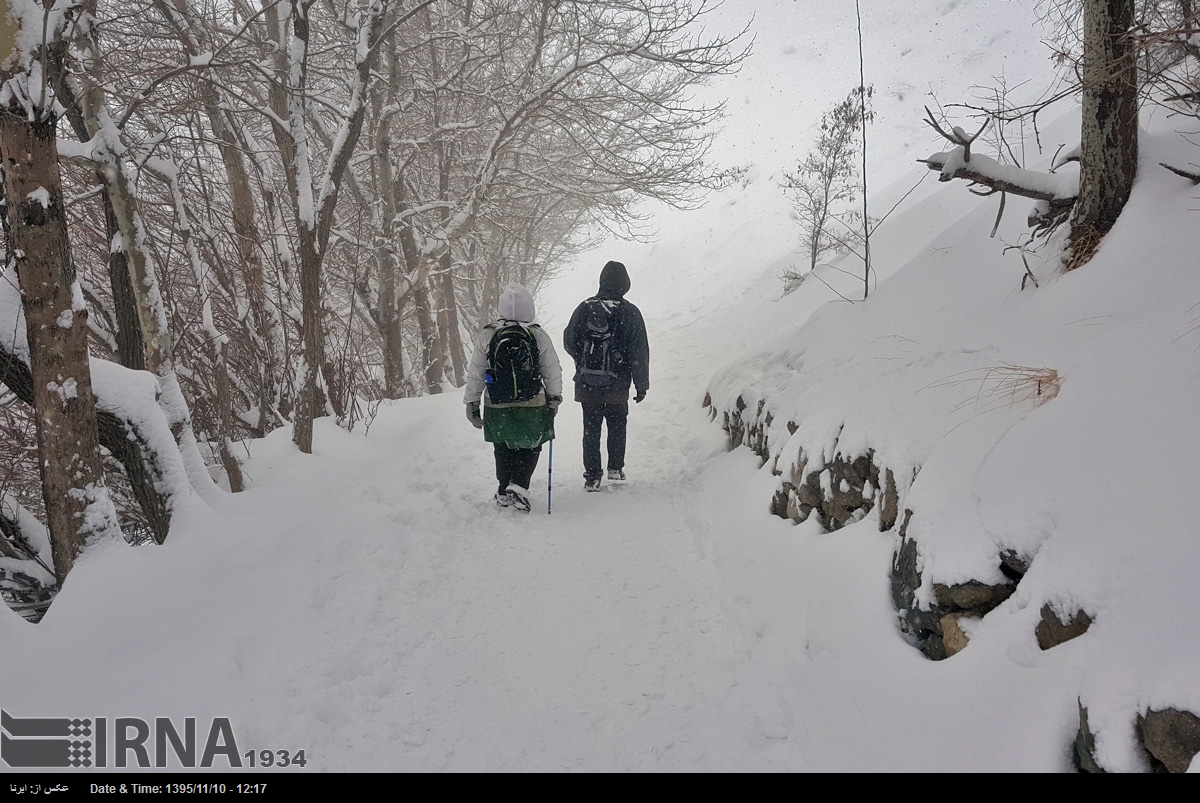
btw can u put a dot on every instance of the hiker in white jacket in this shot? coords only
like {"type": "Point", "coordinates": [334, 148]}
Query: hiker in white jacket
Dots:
{"type": "Point", "coordinates": [514, 369]}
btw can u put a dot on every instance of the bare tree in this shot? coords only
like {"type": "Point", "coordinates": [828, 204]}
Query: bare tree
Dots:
{"type": "Point", "coordinates": [529, 115]}
{"type": "Point", "coordinates": [77, 503]}
{"type": "Point", "coordinates": [825, 182]}
{"type": "Point", "coordinates": [314, 193]}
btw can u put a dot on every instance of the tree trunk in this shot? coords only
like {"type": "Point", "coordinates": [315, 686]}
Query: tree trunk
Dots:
{"type": "Point", "coordinates": [388, 300]}
{"type": "Point", "coordinates": [1109, 137]}
{"type": "Point", "coordinates": [131, 352]}
{"type": "Point", "coordinates": [151, 317]}
{"type": "Point", "coordinates": [248, 241]}
{"type": "Point", "coordinates": [311, 399]}
{"type": "Point", "coordinates": [214, 353]}
{"type": "Point", "coordinates": [77, 503]}
{"type": "Point", "coordinates": [418, 272]}
{"type": "Point", "coordinates": [448, 312]}
{"type": "Point", "coordinates": [391, 335]}
{"type": "Point", "coordinates": [491, 281]}
{"type": "Point", "coordinates": [431, 355]}
{"type": "Point", "coordinates": [388, 316]}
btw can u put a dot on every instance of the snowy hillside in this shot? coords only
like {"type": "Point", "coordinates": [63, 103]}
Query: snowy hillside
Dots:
{"type": "Point", "coordinates": [1038, 443]}
{"type": "Point", "coordinates": [369, 605]}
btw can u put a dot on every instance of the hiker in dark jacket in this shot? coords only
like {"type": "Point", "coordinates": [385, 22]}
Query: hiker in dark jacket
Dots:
{"type": "Point", "coordinates": [516, 428]}
{"type": "Point", "coordinates": [607, 339]}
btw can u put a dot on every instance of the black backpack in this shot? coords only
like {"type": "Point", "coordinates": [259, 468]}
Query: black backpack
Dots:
{"type": "Point", "coordinates": [514, 370]}
{"type": "Point", "coordinates": [600, 347]}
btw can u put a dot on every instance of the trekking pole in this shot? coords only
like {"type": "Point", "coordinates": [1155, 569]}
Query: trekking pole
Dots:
{"type": "Point", "coordinates": [549, 476]}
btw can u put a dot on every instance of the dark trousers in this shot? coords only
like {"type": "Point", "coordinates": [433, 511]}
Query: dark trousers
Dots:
{"type": "Point", "coordinates": [515, 466]}
{"type": "Point", "coordinates": [594, 416]}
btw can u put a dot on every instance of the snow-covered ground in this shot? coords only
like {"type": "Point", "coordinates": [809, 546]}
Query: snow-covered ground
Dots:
{"type": "Point", "coordinates": [369, 605]}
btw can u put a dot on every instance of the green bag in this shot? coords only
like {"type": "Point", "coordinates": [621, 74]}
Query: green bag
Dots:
{"type": "Point", "coordinates": [518, 427]}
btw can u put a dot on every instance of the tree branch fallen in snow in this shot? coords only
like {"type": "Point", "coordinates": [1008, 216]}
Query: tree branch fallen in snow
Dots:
{"type": "Point", "coordinates": [1055, 192]}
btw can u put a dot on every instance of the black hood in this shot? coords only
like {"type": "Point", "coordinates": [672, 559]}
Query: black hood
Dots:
{"type": "Point", "coordinates": [615, 278]}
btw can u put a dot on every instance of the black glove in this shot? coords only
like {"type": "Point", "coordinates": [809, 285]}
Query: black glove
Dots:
{"type": "Point", "coordinates": [641, 394]}
{"type": "Point", "coordinates": [552, 402]}
{"type": "Point", "coordinates": [473, 415]}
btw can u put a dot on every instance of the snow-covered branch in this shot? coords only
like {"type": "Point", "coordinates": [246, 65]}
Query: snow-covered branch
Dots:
{"type": "Point", "coordinates": [987, 172]}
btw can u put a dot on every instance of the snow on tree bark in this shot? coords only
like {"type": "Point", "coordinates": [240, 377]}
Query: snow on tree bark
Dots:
{"type": "Point", "coordinates": [78, 506]}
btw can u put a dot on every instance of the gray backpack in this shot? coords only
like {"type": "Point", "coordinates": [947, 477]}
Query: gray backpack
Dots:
{"type": "Point", "coordinates": [601, 356]}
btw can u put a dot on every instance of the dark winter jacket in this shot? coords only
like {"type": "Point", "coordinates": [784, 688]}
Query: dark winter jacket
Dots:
{"type": "Point", "coordinates": [630, 333]}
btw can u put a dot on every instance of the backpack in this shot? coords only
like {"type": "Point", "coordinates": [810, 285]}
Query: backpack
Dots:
{"type": "Point", "coordinates": [514, 370]}
{"type": "Point", "coordinates": [600, 351]}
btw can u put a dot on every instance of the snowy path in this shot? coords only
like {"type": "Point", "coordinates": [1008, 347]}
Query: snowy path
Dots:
{"type": "Point", "coordinates": [472, 638]}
